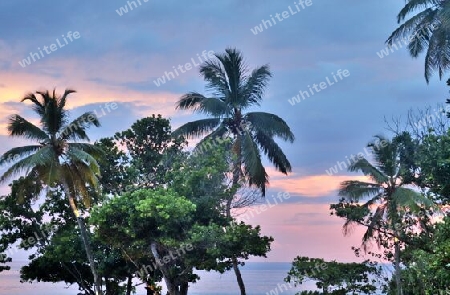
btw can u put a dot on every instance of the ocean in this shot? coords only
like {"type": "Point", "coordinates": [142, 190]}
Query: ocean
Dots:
{"type": "Point", "coordinates": [260, 278]}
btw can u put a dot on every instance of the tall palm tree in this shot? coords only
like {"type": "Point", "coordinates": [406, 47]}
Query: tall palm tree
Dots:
{"type": "Point", "coordinates": [427, 30]}
{"type": "Point", "coordinates": [233, 91]}
{"type": "Point", "coordinates": [53, 160]}
{"type": "Point", "coordinates": [386, 192]}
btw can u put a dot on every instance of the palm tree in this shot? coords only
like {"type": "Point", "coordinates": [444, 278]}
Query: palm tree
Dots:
{"type": "Point", "coordinates": [386, 192]}
{"type": "Point", "coordinates": [428, 30]}
{"type": "Point", "coordinates": [54, 160]}
{"type": "Point", "coordinates": [234, 91]}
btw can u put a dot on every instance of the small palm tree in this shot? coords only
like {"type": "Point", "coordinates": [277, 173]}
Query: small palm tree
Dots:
{"type": "Point", "coordinates": [387, 193]}
{"type": "Point", "coordinates": [54, 160]}
{"type": "Point", "coordinates": [428, 30]}
{"type": "Point", "coordinates": [251, 133]}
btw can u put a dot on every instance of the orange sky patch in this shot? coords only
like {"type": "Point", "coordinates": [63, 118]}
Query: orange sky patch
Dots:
{"type": "Point", "coordinates": [312, 186]}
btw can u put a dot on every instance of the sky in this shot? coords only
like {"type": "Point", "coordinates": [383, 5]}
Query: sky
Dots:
{"type": "Point", "coordinates": [144, 55]}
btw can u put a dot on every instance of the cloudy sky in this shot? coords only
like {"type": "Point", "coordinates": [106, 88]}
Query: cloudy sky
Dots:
{"type": "Point", "coordinates": [109, 52]}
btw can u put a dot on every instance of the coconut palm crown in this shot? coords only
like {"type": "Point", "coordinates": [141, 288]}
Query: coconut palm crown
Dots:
{"type": "Point", "coordinates": [234, 90]}
{"type": "Point", "coordinates": [386, 195]}
{"type": "Point", "coordinates": [57, 157]}
{"type": "Point", "coordinates": [428, 30]}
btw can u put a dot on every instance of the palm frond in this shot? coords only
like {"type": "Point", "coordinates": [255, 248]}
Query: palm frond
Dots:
{"type": "Point", "coordinates": [408, 198]}
{"type": "Point", "coordinates": [408, 27]}
{"type": "Point", "coordinates": [14, 154]}
{"type": "Point", "coordinates": [374, 224]}
{"type": "Point", "coordinates": [211, 139]}
{"type": "Point", "coordinates": [444, 15]}
{"type": "Point", "coordinates": [355, 190]}
{"type": "Point", "coordinates": [364, 166]}
{"type": "Point", "coordinates": [412, 6]}
{"type": "Point", "coordinates": [63, 99]}
{"type": "Point", "coordinates": [253, 167]}
{"type": "Point", "coordinates": [20, 127]}
{"type": "Point", "coordinates": [214, 107]}
{"type": "Point", "coordinates": [233, 63]}
{"type": "Point", "coordinates": [91, 149]}
{"type": "Point", "coordinates": [37, 107]}
{"type": "Point", "coordinates": [428, 29]}
{"type": "Point", "coordinates": [82, 179]}
{"type": "Point", "coordinates": [275, 154]}
{"type": "Point", "coordinates": [438, 54]}
{"type": "Point", "coordinates": [386, 155]}
{"type": "Point", "coordinates": [207, 105]}
{"type": "Point", "coordinates": [43, 157]}
{"type": "Point", "coordinates": [196, 128]}
{"type": "Point", "coordinates": [216, 78]}
{"type": "Point", "coordinates": [270, 124]}
{"type": "Point", "coordinates": [76, 130]}
{"type": "Point", "coordinates": [421, 34]}
{"type": "Point", "coordinates": [190, 101]}
{"type": "Point", "coordinates": [49, 174]}
{"type": "Point", "coordinates": [77, 155]}
{"type": "Point", "coordinates": [53, 118]}
{"type": "Point", "coordinates": [254, 87]}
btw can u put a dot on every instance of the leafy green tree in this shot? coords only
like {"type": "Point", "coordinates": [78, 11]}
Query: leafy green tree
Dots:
{"type": "Point", "coordinates": [427, 30]}
{"type": "Point", "coordinates": [55, 160]}
{"type": "Point", "coordinates": [427, 271]}
{"type": "Point", "coordinates": [200, 180]}
{"type": "Point", "coordinates": [14, 218]}
{"type": "Point", "coordinates": [152, 221]}
{"type": "Point", "coordinates": [334, 277]}
{"type": "Point", "coordinates": [48, 232]}
{"type": "Point", "coordinates": [225, 239]}
{"type": "Point", "coordinates": [386, 197]}
{"type": "Point", "coordinates": [150, 148]}
{"type": "Point", "coordinates": [234, 91]}
{"type": "Point", "coordinates": [116, 170]}
{"type": "Point", "coordinates": [433, 158]}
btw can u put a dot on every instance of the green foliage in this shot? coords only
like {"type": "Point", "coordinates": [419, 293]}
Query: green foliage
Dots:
{"type": "Point", "coordinates": [156, 214]}
{"type": "Point", "coordinates": [182, 207]}
{"type": "Point", "coordinates": [188, 212]}
{"type": "Point", "coordinates": [428, 271]}
{"type": "Point", "coordinates": [433, 158]}
{"type": "Point", "coordinates": [114, 167]}
{"type": "Point", "coordinates": [150, 148]}
{"type": "Point", "coordinates": [334, 277]}
{"type": "Point", "coordinates": [224, 242]}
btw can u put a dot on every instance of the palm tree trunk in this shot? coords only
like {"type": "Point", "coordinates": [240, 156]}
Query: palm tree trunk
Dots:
{"type": "Point", "coordinates": [184, 288]}
{"type": "Point", "coordinates": [398, 279]}
{"type": "Point", "coordinates": [87, 247]}
{"type": "Point", "coordinates": [129, 285]}
{"type": "Point", "coordinates": [234, 260]}
{"type": "Point", "coordinates": [84, 237]}
{"type": "Point", "coordinates": [236, 175]}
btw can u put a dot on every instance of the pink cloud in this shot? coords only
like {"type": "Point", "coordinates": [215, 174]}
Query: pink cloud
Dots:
{"type": "Point", "coordinates": [312, 186]}
{"type": "Point", "coordinates": [306, 230]}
